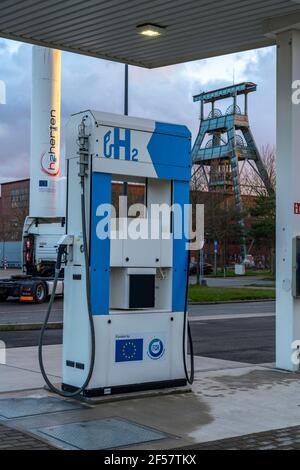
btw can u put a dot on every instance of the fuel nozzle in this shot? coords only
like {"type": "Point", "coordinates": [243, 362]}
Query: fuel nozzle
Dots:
{"type": "Point", "coordinates": [64, 245]}
{"type": "Point", "coordinates": [60, 252]}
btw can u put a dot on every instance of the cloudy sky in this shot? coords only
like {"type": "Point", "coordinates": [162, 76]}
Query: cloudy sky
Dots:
{"type": "Point", "coordinates": [162, 94]}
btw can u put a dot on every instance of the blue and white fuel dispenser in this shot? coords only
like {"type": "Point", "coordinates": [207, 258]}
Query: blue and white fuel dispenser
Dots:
{"type": "Point", "coordinates": [125, 298]}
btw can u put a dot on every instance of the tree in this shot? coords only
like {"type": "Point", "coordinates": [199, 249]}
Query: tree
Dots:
{"type": "Point", "coordinates": [222, 217]}
{"type": "Point", "coordinates": [250, 180]}
{"type": "Point", "coordinates": [222, 222]}
{"type": "Point", "coordinates": [263, 227]}
{"type": "Point", "coordinates": [263, 212]}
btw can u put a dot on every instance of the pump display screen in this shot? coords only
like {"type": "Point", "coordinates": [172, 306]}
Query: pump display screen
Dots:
{"type": "Point", "coordinates": [296, 267]}
{"type": "Point", "coordinates": [141, 291]}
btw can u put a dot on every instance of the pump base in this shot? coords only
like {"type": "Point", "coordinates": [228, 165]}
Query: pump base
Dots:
{"type": "Point", "coordinates": [96, 392]}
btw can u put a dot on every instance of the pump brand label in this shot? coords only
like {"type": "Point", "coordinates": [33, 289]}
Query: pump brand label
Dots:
{"type": "Point", "coordinates": [49, 159]}
{"type": "Point", "coordinates": [158, 151]}
{"type": "Point", "coordinates": [117, 145]}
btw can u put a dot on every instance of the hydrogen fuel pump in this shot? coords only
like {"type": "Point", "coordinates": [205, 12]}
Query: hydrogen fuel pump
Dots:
{"type": "Point", "coordinates": [126, 277]}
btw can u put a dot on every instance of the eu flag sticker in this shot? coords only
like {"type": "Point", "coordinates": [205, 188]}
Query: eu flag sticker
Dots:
{"type": "Point", "coordinates": [129, 350]}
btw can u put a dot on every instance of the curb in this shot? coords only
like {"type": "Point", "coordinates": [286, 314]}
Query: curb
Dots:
{"type": "Point", "coordinates": [231, 302]}
{"type": "Point", "coordinates": [29, 326]}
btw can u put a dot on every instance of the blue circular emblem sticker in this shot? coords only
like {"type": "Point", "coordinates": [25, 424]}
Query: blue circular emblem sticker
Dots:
{"type": "Point", "coordinates": [156, 348]}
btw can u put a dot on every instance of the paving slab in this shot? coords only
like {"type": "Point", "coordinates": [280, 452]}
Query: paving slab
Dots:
{"type": "Point", "coordinates": [19, 407]}
{"type": "Point", "coordinates": [107, 433]}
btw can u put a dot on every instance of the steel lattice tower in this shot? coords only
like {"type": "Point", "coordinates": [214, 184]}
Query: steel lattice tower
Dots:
{"type": "Point", "coordinates": [223, 141]}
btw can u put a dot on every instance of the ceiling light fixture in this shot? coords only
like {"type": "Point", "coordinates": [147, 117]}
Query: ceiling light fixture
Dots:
{"type": "Point", "coordinates": [150, 30]}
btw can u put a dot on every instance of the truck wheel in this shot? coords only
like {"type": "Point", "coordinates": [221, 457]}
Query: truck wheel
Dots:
{"type": "Point", "coordinates": [3, 297]}
{"type": "Point", "coordinates": [40, 293]}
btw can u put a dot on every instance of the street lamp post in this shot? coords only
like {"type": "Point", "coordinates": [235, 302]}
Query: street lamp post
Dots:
{"type": "Point", "coordinates": [126, 90]}
{"type": "Point", "coordinates": [3, 101]}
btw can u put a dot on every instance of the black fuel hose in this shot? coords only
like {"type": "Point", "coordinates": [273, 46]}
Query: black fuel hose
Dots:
{"type": "Point", "coordinates": [186, 324]}
{"type": "Point", "coordinates": [61, 250]}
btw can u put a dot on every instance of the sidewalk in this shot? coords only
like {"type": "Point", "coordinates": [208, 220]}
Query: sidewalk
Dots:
{"type": "Point", "coordinates": [278, 439]}
{"type": "Point", "coordinates": [11, 439]}
{"type": "Point", "coordinates": [231, 405]}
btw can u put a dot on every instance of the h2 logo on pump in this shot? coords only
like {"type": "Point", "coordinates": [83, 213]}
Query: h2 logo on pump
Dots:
{"type": "Point", "coordinates": [113, 144]}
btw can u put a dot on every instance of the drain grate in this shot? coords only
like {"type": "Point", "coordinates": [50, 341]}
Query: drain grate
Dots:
{"type": "Point", "coordinates": [29, 406]}
{"type": "Point", "coordinates": [103, 434]}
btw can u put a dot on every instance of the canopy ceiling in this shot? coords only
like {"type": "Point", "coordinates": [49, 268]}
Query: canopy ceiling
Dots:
{"type": "Point", "coordinates": [194, 29]}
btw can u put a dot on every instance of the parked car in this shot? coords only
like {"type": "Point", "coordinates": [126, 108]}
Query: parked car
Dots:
{"type": "Point", "coordinates": [207, 268]}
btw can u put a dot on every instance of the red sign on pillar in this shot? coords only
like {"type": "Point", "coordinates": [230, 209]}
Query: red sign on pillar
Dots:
{"type": "Point", "coordinates": [297, 208]}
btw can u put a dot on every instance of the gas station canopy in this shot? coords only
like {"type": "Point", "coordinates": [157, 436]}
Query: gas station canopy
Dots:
{"type": "Point", "coordinates": [109, 29]}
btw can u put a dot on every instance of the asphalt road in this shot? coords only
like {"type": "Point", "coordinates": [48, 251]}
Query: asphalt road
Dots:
{"type": "Point", "coordinates": [243, 332]}
{"type": "Point", "coordinates": [18, 339]}
{"type": "Point", "coordinates": [14, 312]}
{"type": "Point", "coordinates": [250, 340]}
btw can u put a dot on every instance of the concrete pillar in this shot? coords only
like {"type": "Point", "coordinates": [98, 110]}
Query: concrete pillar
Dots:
{"type": "Point", "coordinates": [287, 193]}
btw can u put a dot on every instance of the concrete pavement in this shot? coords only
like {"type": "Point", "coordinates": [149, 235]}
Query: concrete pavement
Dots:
{"type": "Point", "coordinates": [228, 399]}
{"type": "Point", "coordinates": [246, 403]}
{"type": "Point", "coordinates": [21, 370]}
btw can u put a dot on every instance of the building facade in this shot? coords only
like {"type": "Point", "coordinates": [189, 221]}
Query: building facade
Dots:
{"type": "Point", "coordinates": [14, 206]}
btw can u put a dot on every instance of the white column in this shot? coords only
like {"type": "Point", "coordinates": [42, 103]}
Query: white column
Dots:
{"type": "Point", "coordinates": [287, 192]}
{"type": "Point", "coordinates": [45, 181]}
